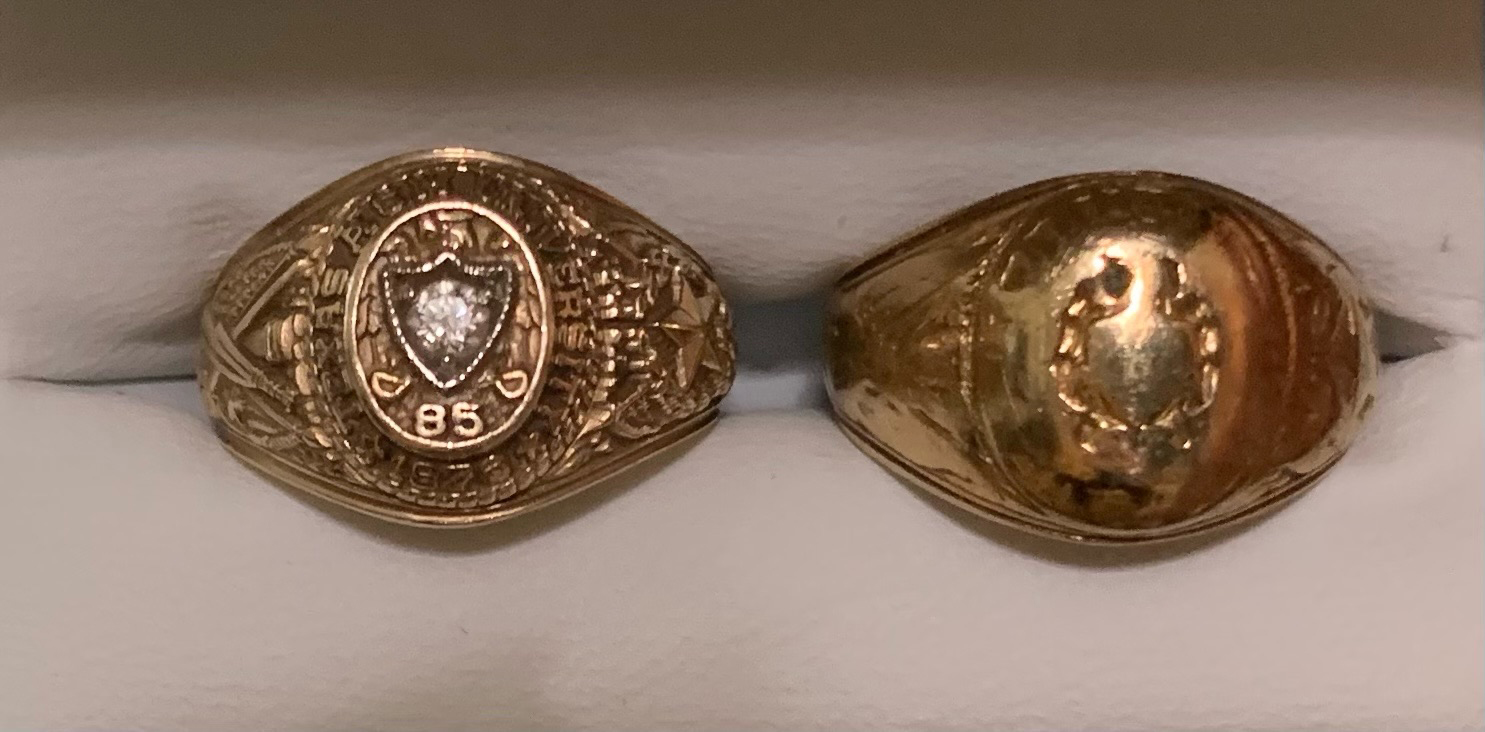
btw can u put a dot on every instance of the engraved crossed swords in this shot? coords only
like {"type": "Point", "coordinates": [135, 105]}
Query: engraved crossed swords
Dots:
{"type": "Point", "coordinates": [279, 339]}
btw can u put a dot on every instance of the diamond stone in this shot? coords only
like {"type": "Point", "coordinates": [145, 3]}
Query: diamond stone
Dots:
{"type": "Point", "coordinates": [446, 314]}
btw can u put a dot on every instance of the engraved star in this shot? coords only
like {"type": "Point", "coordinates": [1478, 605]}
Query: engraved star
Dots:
{"type": "Point", "coordinates": [687, 323]}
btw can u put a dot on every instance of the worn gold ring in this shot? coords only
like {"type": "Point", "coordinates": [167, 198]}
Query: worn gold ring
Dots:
{"type": "Point", "coordinates": [1111, 357]}
{"type": "Point", "coordinates": [454, 337]}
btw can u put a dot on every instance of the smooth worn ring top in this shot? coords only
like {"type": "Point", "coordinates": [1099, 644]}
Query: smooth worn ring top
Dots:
{"type": "Point", "coordinates": [1112, 357]}
{"type": "Point", "coordinates": [453, 337]}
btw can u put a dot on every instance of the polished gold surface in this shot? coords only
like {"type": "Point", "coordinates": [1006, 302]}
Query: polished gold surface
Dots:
{"type": "Point", "coordinates": [1110, 357]}
{"type": "Point", "coordinates": [453, 337]}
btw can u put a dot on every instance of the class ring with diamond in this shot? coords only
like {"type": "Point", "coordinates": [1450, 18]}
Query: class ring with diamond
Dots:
{"type": "Point", "coordinates": [1111, 357]}
{"type": "Point", "coordinates": [454, 337]}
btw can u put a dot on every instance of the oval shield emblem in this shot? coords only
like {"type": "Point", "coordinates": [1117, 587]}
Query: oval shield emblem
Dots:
{"type": "Point", "coordinates": [447, 328]}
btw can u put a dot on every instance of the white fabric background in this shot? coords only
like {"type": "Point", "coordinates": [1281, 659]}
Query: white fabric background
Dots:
{"type": "Point", "coordinates": [772, 576]}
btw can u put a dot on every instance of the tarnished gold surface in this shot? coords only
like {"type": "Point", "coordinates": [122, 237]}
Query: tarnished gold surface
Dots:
{"type": "Point", "coordinates": [1112, 357]}
{"type": "Point", "coordinates": [454, 337]}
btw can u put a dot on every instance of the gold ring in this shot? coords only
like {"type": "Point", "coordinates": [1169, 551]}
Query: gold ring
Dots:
{"type": "Point", "coordinates": [454, 337]}
{"type": "Point", "coordinates": [1110, 357]}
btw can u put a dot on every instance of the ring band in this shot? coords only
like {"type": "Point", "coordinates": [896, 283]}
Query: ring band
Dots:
{"type": "Point", "coordinates": [1110, 357]}
{"type": "Point", "coordinates": [454, 337]}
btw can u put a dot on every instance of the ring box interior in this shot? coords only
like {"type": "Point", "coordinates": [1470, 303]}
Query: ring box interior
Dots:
{"type": "Point", "coordinates": [772, 576]}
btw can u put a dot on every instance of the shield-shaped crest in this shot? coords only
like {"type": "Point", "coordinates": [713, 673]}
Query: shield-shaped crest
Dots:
{"type": "Point", "coordinates": [446, 313]}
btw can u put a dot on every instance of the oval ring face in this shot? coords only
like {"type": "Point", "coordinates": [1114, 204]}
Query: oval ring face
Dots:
{"type": "Point", "coordinates": [1117, 357]}
{"type": "Point", "coordinates": [454, 337]}
{"type": "Point", "coordinates": [448, 329]}
{"type": "Point", "coordinates": [1186, 353]}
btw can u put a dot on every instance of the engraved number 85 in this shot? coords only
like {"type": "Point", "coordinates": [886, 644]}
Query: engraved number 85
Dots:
{"type": "Point", "coordinates": [433, 420]}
